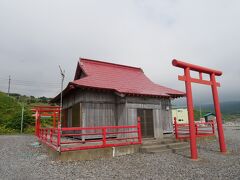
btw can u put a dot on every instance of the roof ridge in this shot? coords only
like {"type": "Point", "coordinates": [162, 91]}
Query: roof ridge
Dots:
{"type": "Point", "coordinates": [109, 63]}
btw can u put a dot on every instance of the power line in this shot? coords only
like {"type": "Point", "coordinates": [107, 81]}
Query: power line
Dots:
{"type": "Point", "coordinates": [28, 81]}
{"type": "Point", "coordinates": [25, 86]}
{"type": "Point", "coordinates": [35, 85]}
{"type": "Point", "coordinates": [14, 89]}
{"type": "Point", "coordinates": [22, 86]}
{"type": "Point", "coordinates": [34, 82]}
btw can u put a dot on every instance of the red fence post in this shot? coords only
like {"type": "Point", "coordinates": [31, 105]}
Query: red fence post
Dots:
{"type": "Point", "coordinates": [51, 133]}
{"type": "Point", "coordinates": [104, 137]}
{"type": "Point", "coordinates": [139, 130]}
{"type": "Point", "coordinates": [218, 114]}
{"type": "Point", "coordinates": [196, 129]}
{"type": "Point", "coordinates": [46, 134]}
{"type": "Point", "coordinates": [213, 128]}
{"type": "Point", "coordinates": [175, 126]}
{"type": "Point", "coordinates": [42, 134]}
{"type": "Point", "coordinates": [37, 124]}
{"type": "Point", "coordinates": [54, 120]}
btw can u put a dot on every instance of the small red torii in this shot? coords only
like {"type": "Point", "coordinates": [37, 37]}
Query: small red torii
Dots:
{"type": "Point", "coordinates": [51, 111]}
{"type": "Point", "coordinates": [212, 82]}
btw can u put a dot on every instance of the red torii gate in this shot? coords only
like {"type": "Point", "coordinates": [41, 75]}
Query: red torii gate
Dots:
{"type": "Point", "coordinates": [212, 82]}
{"type": "Point", "coordinates": [50, 111]}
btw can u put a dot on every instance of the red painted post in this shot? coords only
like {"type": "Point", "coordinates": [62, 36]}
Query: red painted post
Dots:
{"type": "Point", "coordinates": [193, 144]}
{"type": "Point", "coordinates": [37, 124]}
{"type": "Point", "coordinates": [104, 137]}
{"type": "Point", "coordinates": [51, 134]}
{"type": "Point", "coordinates": [196, 129]}
{"type": "Point", "coordinates": [42, 134]}
{"type": "Point", "coordinates": [213, 128]}
{"type": "Point", "coordinates": [54, 120]}
{"type": "Point", "coordinates": [218, 114]}
{"type": "Point", "coordinates": [139, 130]}
{"type": "Point", "coordinates": [176, 128]}
{"type": "Point", "coordinates": [36, 115]}
{"type": "Point", "coordinates": [46, 134]}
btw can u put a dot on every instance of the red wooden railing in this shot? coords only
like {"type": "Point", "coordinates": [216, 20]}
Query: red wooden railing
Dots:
{"type": "Point", "coordinates": [81, 138]}
{"type": "Point", "coordinates": [49, 136]}
{"type": "Point", "coordinates": [203, 129]}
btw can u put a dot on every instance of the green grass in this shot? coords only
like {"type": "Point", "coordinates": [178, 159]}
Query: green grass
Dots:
{"type": "Point", "coordinates": [10, 115]}
{"type": "Point", "coordinates": [8, 108]}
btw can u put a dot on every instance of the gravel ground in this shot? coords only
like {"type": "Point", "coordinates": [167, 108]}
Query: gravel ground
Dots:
{"type": "Point", "coordinates": [20, 160]}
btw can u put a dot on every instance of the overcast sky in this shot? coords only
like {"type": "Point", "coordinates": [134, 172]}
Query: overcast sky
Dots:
{"type": "Point", "coordinates": [37, 36]}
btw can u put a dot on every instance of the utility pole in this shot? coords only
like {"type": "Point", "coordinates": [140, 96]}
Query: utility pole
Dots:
{"type": "Point", "coordinates": [22, 118]}
{"type": "Point", "coordinates": [61, 101]}
{"type": "Point", "coordinates": [9, 83]}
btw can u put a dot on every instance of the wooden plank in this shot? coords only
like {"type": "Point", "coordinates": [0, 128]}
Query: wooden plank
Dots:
{"type": "Point", "coordinates": [166, 116]}
{"type": "Point", "coordinates": [76, 115]}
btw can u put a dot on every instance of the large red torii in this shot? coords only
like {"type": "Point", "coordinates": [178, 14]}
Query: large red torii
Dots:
{"type": "Point", "coordinates": [212, 82]}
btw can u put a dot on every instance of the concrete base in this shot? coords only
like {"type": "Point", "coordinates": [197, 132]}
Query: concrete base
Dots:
{"type": "Point", "coordinates": [91, 154]}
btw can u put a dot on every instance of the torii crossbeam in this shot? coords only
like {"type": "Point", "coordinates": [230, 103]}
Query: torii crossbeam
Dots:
{"type": "Point", "coordinates": [212, 82]}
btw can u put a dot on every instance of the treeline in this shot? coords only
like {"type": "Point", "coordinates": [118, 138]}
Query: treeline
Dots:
{"type": "Point", "coordinates": [30, 99]}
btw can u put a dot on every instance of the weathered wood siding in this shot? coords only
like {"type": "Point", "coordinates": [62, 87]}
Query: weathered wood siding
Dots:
{"type": "Point", "coordinates": [99, 114]}
{"type": "Point", "coordinates": [84, 96]}
{"type": "Point", "coordinates": [76, 115]}
{"type": "Point", "coordinates": [161, 116]}
{"type": "Point", "coordinates": [106, 109]}
{"type": "Point", "coordinates": [98, 107]}
{"type": "Point", "coordinates": [94, 109]}
{"type": "Point", "coordinates": [146, 103]}
{"type": "Point", "coordinates": [121, 114]}
{"type": "Point", "coordinates": [166, 116]}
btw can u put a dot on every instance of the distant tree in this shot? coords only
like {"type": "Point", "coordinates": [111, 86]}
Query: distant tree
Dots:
{"type": "Point", "coordinates": [15, 94]}
{"type": "Point", "coordinates": [43, 99]}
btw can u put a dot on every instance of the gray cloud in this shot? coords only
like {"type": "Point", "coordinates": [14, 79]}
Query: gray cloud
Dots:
{"type": "Point", "coordinates": [36, 36]}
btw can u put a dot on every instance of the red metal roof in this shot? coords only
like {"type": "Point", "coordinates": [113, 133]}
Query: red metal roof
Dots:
{"type": "Point", "coordinates": [123, 79]}
{"type": "Point", "coordinates": [118, 78]}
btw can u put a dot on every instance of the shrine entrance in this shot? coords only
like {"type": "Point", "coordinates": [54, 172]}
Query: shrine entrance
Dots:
{"type": "Point", "coordinates": [211, 82]}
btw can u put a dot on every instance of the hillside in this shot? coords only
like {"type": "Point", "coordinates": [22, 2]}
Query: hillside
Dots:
{"type": "Point", "coordinates": [226, 107]}
{"type": "Point", "coordinates": [230, 110]}
{"type": "Point", "coordinates": [8, 107]}
{"type": "Point", "coordinates": [10, 114]}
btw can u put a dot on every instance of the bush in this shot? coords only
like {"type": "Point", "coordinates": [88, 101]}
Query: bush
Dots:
{"type": "Point", "coordinates": [4, 130]}
{"type": "Point", "coordinates": [15, 121]}
{"type": "Point", "coordinates": [29, 130]}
